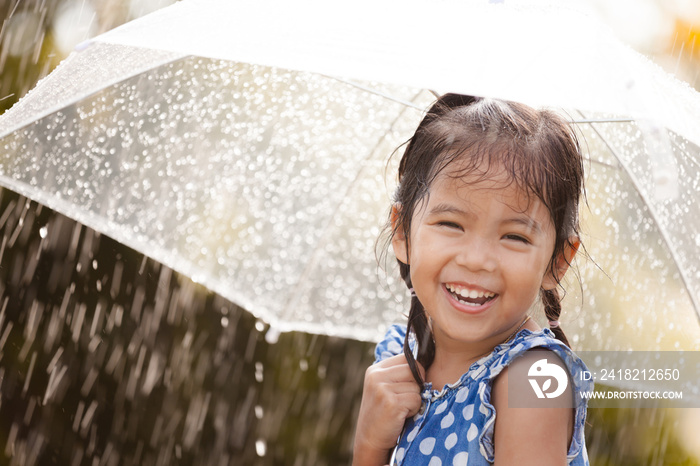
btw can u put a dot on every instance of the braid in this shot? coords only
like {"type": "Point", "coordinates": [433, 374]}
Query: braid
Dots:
{"type": "Point", "coordinates": [552, 310]}
{"type": "Point", "coordinates": [418, 324]}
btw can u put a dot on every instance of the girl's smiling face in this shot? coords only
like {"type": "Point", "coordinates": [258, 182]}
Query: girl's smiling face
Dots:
{"type": "Point", "coordinates": [479, 252]}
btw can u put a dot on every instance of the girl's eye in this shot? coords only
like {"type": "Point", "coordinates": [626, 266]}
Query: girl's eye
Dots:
{"type": "Point", "coordinates": [449, 225]}
{"type": "Point", "coordinates": [519, 238]}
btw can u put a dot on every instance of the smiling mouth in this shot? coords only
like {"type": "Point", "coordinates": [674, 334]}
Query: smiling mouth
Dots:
{"type": "Point", "coordinates": [469, 296]}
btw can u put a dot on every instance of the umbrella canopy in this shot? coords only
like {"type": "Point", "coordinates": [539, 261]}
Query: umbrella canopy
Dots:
{"type": "Point", "coordinates": [249, 151]}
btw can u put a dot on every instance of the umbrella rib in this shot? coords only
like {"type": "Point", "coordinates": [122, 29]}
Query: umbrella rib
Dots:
{"type": "Point", "coordinates": [292, 302]}
{"type": "Point", "coordinates": [662, 231]}
{"type": "Point", "coordinates": [602, 120]}
{"type": "Point", "coordinates": [605, 164]}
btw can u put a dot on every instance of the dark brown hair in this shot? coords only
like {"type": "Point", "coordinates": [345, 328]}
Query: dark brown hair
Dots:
{"type": "Point", "coordinates": [538, 150]}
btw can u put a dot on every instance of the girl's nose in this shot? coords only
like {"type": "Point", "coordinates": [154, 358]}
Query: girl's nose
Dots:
{"type": "Point", "coordinates": [477, 255]}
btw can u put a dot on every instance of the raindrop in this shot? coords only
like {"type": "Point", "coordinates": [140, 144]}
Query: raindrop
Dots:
{"type": "Point", "coordinates": [30, 371]}
{"type": "Point", "coordinates": [260, 447]}
{"type": "Point", "coordinates": [259, 325]}
{"type": "Point", "coordinates": [21, 32]}
{"type": "Point", "coordinates": [272, 336]}
{"type": "Point", "coordinates": [259, 371]}
{"type": "Point", "coordinates": [87, 419]}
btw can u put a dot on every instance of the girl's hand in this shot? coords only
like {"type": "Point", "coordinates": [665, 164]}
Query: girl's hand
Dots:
{"type": "Point", "coordinates": [390, 396]}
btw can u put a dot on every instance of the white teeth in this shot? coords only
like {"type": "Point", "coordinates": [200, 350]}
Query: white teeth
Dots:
{"type": "Point", "coordinates": [469, 293]}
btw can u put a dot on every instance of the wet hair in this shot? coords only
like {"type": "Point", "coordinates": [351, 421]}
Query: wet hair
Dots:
{"type": "Point", "coordinates": [537, 149]}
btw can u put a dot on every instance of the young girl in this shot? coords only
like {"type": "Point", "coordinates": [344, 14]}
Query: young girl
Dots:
{"type": "Point", "coordinates": [485, 220]}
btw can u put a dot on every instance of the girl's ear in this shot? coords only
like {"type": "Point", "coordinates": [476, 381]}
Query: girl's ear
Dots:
{"type": "Point", "coordinates": [398, 240]}
{"type": "Point", "coordinates": [561, 265]}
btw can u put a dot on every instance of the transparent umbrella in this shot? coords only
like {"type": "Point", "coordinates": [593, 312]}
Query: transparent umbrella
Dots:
{"type": "Point", "coordinates": [249, 150]}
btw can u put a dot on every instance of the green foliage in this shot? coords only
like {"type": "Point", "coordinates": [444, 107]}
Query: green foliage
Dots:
{"type": "Point", "coordinates": [637, 436]}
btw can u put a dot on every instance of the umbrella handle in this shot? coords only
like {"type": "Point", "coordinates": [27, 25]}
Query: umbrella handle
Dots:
{"type": "Point", "coordinates": [392, 460]}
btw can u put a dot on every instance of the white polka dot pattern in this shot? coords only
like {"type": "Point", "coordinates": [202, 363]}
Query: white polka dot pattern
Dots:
{"type": "Point", "coordinates": [462, 395]}
{"type": "Point", "coordinates": [447, 421]}
{"type": "Point", "coordinates": [394, 347]}
{"type": "Point", "coordinates": [427, 445]}
{"type": "Point", "coordinates": [413, 433]}
{"type": "Point", "coordinates": [468, 412]}
{"type": "Point", "coordinates": [451, 441]}
{"type": "Point", "coordinates": [456, 423]}
{"type": "Point", "coordinates": [441, 408]}
{"type": "Point", "coordinates": [400, 453]}
{"type": "Point", "coordinates": [471, 433]}
{"type": "Point", "coordinates": [460, 459]}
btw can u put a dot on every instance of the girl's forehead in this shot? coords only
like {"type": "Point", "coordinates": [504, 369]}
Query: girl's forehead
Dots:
{"type": "Point", "coordinates": [460, 175]}
{"type": "Point", "coordinates": [474, 185]}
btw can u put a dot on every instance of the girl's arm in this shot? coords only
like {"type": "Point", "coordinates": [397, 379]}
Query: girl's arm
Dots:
{"type": "Point", "coordinates": [539, 434]}
{"type": "Point", "coordinates": [390, 395]}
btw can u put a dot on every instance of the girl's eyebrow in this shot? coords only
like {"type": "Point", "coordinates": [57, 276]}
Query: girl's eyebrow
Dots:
{"type": "Point", "coordinates": [526, 221]}
{"type": "Point", "coordinates": [444, 208]}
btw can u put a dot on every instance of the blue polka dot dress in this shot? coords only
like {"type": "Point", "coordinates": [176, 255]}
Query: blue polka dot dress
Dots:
{"type": "Point", "coordinates": [455, 426]}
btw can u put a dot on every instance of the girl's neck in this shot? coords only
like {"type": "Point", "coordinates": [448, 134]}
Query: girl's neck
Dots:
{"type": "Point", "coordinates": [453, 360]}
{"type": "Point", "coordinates": [448, 366]}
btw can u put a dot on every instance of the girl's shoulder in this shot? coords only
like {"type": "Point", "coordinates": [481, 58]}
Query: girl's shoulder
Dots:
{"type": "Point", "coordinates": [505, 354]}
{"type": "Point", "coordinates": [533, 344]}
{"type": "Point", "coordinates": [391, 344]}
